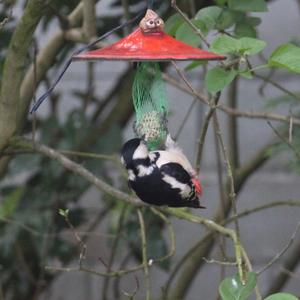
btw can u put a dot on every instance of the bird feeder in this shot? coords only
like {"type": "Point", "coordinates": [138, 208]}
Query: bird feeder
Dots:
{"type": "Point", "coordinates": [148, 45]}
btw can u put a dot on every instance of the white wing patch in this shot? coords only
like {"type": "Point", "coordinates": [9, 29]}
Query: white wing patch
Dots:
{"type": "Point", "coordinates": [131, 175]}
{"type": "Point", "coordinates": [141, 152]}
{"type": "Point", "coordinates": [152, 156]}
{"type": "Point", "coordinates": [175, 156]}
{"type": "Point", "coordinates": [144, 171]}
{"type": "Point", "coordinates": [185, 190]}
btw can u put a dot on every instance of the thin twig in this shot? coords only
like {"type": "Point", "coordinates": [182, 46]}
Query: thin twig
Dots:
{"type": "Point", "coordinates": [281, 253]}
{"type": "Point", "coordinates": [291, 274]}
{"type": "Point", "coordinates": [188, 21]}
{"type": "Point", "coordinates": [233, 136]}
{"type": "Point", "coordinates": [144, 253]}
{"type": "Point", "coordinates": [181, 214]}
{"type": "Point", "coordinates": [82, 245]}
{"type": "Point", "coordinates": [132, 294]}
{"type": "Point", "coordinates": [34, 232]}
{"type": "Point", "coordinates": [232, 196]}
{"type": "Point", "coordinates": [223, 263]}
{"type": "Point", "coordinates": [258, 115]}
{"type": "Point", "coordinates": [291, 130]}
{"type": "Point", "coordinates": [183, 77]}
{"type": "Point", "coordinates": [285, 140]}
{"type": "Point", "coordinates": [112, 157]}
{"type": "Point", "coordinates": [6, 19]}
{"type": "Point", "coordinates": [262, 207]}
{"type": "Point", "coordinates": [75, 168]}
{"type": "Point", "coordinates": [222, 243]}
{"type": "Point", "coordinates": [277, 85]}
{"type": "Point", "coordinates": [171, 234]}
{"type": "Point", "coordinates": [185, 118]}
{"type": "Point", "coordinates": [235, 112]}
{"type": "Point", "coordinates": [35, 51]}
{"type": "Point", "coordinates": [102, 274]}
{"type": "Point", "coordinates": [114, 251]}
{"type": "Point", "coordinates": [213, 105]}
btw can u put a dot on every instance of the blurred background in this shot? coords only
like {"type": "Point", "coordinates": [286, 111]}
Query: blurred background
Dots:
{"type": "Point", "coordinates": [91, 111]}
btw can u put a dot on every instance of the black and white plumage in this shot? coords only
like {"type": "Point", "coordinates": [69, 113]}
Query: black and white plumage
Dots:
{"type": "Point", "coordinates": [163, 177]}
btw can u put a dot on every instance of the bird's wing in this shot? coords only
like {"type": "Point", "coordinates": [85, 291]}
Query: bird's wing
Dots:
{"type": "Point", "coordinates": [178, 178]}
{"type": "Point", "coordinates": [177, 171]}
{"type": "Point", "coordinates": [174, 156]}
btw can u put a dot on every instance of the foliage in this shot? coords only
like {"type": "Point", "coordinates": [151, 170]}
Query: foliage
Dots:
{"type": "Point", "coordinates": [33, 210]}
{"type": "Point", "coordinates": [231, 288]}
{"type": "Point", "coordinates": [281, 296]}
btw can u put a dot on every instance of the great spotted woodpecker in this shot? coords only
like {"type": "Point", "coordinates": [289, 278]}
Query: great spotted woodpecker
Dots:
{"type": "Point", "coordinates": [163, 177]}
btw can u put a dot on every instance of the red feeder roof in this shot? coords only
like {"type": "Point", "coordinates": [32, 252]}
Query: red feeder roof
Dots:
{"type": "Point", "coordinates": [154, 46]}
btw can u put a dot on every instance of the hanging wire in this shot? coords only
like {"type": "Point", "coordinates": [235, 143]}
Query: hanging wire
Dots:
{"type": "Point", "coordinates": [41, 99]}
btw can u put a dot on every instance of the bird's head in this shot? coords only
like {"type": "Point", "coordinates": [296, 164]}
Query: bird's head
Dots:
{"type": "Point", "coordinates": [133, 152]}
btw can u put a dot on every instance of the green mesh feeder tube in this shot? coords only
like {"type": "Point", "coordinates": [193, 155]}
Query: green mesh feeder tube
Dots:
{"type": "Point", "coordinates": [150, 104]}
{"type": "Point", "coordinates": [148, 45]}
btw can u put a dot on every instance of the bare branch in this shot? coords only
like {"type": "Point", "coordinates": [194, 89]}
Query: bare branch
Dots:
{"type": "Point", "coordinates": [281, 253]}
{"type": "Point", "coordinates": [75, 168]}
{"type": "Point", "coordinates": [89, 19]}
{"type": "Point", "coordinates": [232, 194]}
{"type": "Point", "coordinates": [213, 106]}
{"type": "Point", "coordinates": [144, 253]}
{"type": "Point", "coordinates": [286, 141]}
{"type": "Point", "coordinates": [277, 85]}
{"type": "Point", "coordinates": [6, 20]}
{"type": "Point", "coordinates": [248, 212]}
{"type": "Point", "coordinates": [188, 21]}
{"type": "Point", "coordinates": [235, 112]}
{"type": "Point", "coordinates": [215, 261]}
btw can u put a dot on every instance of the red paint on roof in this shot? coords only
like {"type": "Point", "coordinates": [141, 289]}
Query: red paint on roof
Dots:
{"type": "Point", "coordinates": [152, 46]}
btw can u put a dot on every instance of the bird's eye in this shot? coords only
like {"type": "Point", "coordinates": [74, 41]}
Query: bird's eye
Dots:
{"type": "Point", "coordinates": [150, 23]}
{"type": "Point", "coordinates": [157, 22]}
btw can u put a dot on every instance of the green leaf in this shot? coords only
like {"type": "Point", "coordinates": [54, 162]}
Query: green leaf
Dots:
{"type": "Point", "coordinates": [246, 74]}
{"type": "Point", "coordinates": [195, 64]}
{"type": "Point", "coordinates": [231, 288]}
{"type": "Point", "coordinates": [187, 35]}
{"type": "Point", "coordinates": [11, 202]}
{"type": "Point", "coordinates": [217, 78]}
{"type": "Point", "coordinates": [248, 5]}
{"type": "Point", "coordinates": [282, 296]}
{"type": "Point", "coordinates": [225, 44]}
{"type": "Point", "coordinates": [251, 46]}
{"type": "Point", "coordinates": [209, 16]}
{"type": "Point", "coordinates": [244, 30]}
{"type": "Point", "coordinates": [286, 56]}
{"type": "Point", "coordinates": [226, 19]}
{"type": "Point", "coordinates": [173, 23]}
{"type": "Point", "coordinates": [220, 2]}
{"type": "Point", "coordinates": [254, 21]}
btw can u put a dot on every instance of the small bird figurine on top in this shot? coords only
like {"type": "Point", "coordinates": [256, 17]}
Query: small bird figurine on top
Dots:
{"type": "Point", "coordinates": [162, 177]}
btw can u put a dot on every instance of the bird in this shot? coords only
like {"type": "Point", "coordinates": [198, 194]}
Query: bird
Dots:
{"type": "Point", "coordinates": [161, 177]}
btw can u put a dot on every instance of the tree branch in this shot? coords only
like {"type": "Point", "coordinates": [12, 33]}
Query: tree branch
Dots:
{"type": "Point", "coordinates": [13, 72]}
{"type": "Point", "coordinates": [231, 111]}
{"type": "Point", "coordinates": [89, 19]}
{"type": "Point", "coordinates": [19, 142]}
{"type": "Point", "coordinates": [192, 262]}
